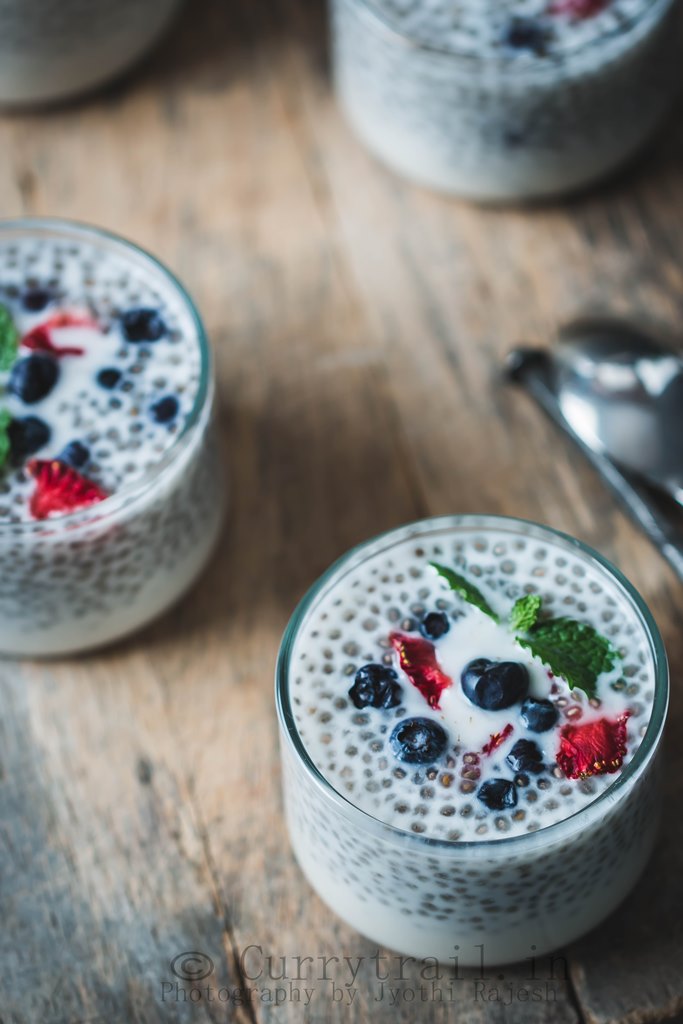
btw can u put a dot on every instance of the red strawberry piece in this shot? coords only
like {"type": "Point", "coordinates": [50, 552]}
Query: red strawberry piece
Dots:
{"type": "Point", "coordinates": [65, 319]}
{"type": "Point", "coordinates": [417, 658]}
{"type": "Point", "coordinates": [595, 748]}
{"type": "Point", "coordinates": [578, 9]}
{"type": "Point", "coordinates": [40, 338]}
{"type": "Point", "coordinates": [496, 739]}
{"type": "Point", "coordinates": [60, 488]}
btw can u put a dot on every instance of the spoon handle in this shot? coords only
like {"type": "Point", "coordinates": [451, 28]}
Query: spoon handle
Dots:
{"type": "Point", "coordinates": [530, 368]}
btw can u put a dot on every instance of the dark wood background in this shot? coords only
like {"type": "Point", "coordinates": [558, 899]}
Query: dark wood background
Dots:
{"type": "Point", "coordinates": [360, 325]}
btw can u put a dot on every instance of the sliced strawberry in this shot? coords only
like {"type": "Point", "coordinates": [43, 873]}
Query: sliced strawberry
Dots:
{"type": "Point", "coordinates": [595, 748]}
{"type": "Point", "coordinates": [63, 318]}
{"type": "Point", "coordinates": [496, 739]}
{"type": "Point", "coordinates": [578, 9]}
{"type": "Point", "coordinates": [60, 488]}
{"type": "Point", "coordinates": [40, 338]}
{"type": "Point", "coordinates": [417, 658]}
{"type": "Point", "coordinates": [39, 341]}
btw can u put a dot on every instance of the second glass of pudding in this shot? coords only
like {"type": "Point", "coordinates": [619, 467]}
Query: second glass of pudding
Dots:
{"type": "Point", "coordinates": [54, 50]}
{"type": "Point", "coordinates": [447, 792]}
{"type": "Point", "coordinates": [111, 476]}
{"type": "Point", "coordinates": [501, 100]}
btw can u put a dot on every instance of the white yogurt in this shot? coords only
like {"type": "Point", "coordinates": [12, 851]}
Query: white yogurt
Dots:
{"type": "Point", "coordinates": [351, 626]}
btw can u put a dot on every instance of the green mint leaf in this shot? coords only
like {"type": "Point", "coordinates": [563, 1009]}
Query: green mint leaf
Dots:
{"type": "Point", "coordinates": [465, 589]}
{"type": "Point", "coordinates": [573, 650]}
{"type": "Point", "coordinates": [9, 339]}
{"type": "Point", "coordinates": [5, 420]}
{"type": "Point", "coordinates": [525, 612]}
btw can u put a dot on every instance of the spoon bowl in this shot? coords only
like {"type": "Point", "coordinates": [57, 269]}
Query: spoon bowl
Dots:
{"type": "Point", "coordinates": [621, 391]}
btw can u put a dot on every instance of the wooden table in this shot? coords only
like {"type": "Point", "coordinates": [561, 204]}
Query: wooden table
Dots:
{"type": "Point", "coordinates": [360, 325]}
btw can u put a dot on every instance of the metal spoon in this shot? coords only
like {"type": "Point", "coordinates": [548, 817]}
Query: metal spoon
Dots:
{"type": "Point", "coordinates": [622, 391]}
{"type": "Point", "coordinates": [538, 372]}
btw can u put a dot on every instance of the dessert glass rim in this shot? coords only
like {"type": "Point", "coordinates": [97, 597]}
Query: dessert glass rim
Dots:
{"type": "Point", "coordinates": [67, 228]}
{"type": "Point", "coordinates": [418, 841]}
{"type": "Point", "coordinates": [370, 9]}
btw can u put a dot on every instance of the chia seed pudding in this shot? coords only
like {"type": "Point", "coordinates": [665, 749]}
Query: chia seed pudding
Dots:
{"type": "Point", "coordinates": [506, 99]}
{"type": "Point", "coordinates": [468, 704]}
{"type": "Point", "coordinates": [111, 483]}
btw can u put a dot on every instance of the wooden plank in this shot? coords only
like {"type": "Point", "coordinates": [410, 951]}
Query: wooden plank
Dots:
{"type": "Point", "coordinates": [104, 875]}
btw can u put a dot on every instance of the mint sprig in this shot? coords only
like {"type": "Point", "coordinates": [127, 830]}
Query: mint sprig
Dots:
{"type": "Point", "coordinates": [9, 339]}
{"type": "Point", "coordinates": [573, 650]}
{"type": "Point", "coordinates": [525, 613]}
{"type": "Point", "coordinates": [466, 590]}
{"type": "Point", "coordinates": [5, 420]}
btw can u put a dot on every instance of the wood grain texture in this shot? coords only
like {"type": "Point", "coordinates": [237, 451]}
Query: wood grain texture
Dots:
{"type": "Point", "coordinates": [359, 325]}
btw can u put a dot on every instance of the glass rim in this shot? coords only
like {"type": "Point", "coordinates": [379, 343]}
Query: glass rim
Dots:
{"type": "Point", "coordinates": [62, 227]}
{"type": "Point", "coordinates": [646, 749]}
{"type": "Point", "coordinates": [370, 10]}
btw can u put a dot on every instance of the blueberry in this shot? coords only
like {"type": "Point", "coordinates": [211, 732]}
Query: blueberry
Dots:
{"type": "Point", "coordinates": [33, 378]}
{"type": "Point", "coordinates": [513, 138]}
{"type": "Point", "coordinates": [166, 409]}
{"type": "Point", "coordinates": [418, 740]}
{"type": "Point", "coordinates": [376, 686]}
{"type": "Point", "coordinates": [26, 436]}
{"type": "Point", "coordinates": [525, 756]}
{"type": "Point", "coordinates": [142, 325]}
{"type": "Point", "coordinates": [527, 34]}
{"type": "Point", "coordinates": [498, 794]}
{"type": "Point", "coordinates": [34, 300]}
{"type": "Point", "coordinates": [493, 685]}
{"type": "Point", "coordinates": [539, 715]}
{"type": "Point", "coordinates": [109, 377]}
{"type": "Point", "coordinates": [75, 454]}
{"type": "Point", "coordinates": [434, 625]}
